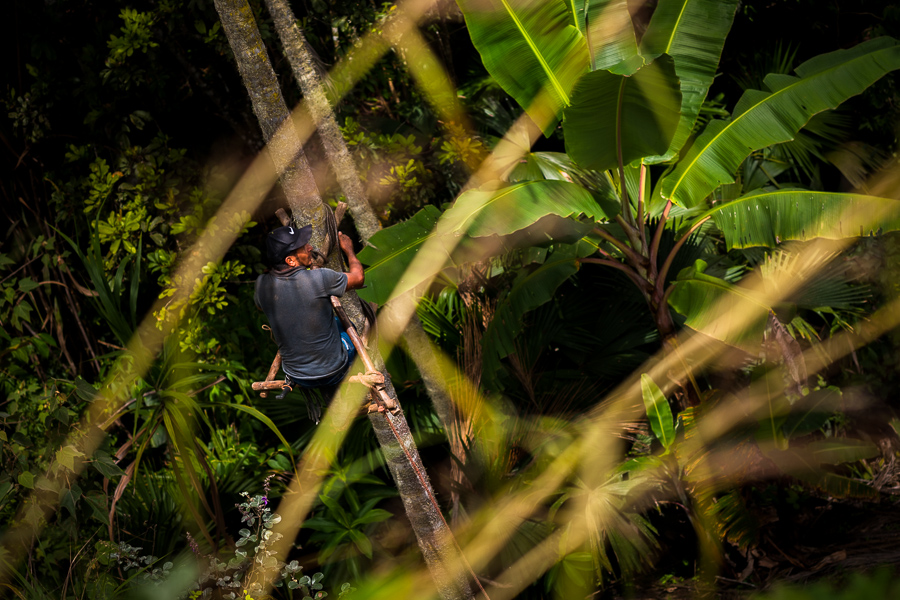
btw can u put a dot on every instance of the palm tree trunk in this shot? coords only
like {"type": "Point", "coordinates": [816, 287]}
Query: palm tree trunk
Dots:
{"type": "Point", "coordinates": [303, 65]}
{"type": "Point", "coordinates": [392, 431]}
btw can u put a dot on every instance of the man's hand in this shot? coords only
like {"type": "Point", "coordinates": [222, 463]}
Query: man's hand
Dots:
{"type": "Point", "coordinates": [345, 243]}
{"type": "Point", "coordinates": [355, 277]}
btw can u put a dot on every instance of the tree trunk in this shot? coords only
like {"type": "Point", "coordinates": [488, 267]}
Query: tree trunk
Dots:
{"type": "Point", "coordinates": [433, 535]}
{"type": "Point", "coordinates": [283, 143]}
{"type": "Point", "coordinates": [303, 65]}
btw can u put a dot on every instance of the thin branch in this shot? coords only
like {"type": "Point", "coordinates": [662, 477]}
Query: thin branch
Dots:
{"type": "Point", "coordinates": [639, 281]}
{"type": "Point", "coordinates": [640, 207]}
{"type": "Point", "coordinates": [654, 246]}
{"type": "Point", "coordinates": [633, 257]}
{"type": "Point", "coordinates": [660, 280]}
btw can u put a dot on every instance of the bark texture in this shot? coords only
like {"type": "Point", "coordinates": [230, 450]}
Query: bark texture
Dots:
{"type": "Point", "coordinates": [283, 143]}
{"type": "Point", "coordinates": [434, 536]}
{"type": "Point", "coordinates": [303, 66]}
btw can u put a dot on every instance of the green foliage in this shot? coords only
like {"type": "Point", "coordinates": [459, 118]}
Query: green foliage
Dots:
{"type": "Point", "coordinates": [614, 117]}
{"type": "Point", "coordinates": [763, 118]}
{"type": "Point", "coordinates": [880, 583]}
{"type": "Point", "coordinates": [532, 49]}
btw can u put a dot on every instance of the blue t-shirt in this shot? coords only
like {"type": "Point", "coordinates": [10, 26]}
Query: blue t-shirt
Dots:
{"type": "Point", "coordinates": [299, 311]}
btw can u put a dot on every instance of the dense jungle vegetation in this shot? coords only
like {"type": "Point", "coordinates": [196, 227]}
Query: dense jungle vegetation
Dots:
{"type": "Point", "coordinates": [636, 267]}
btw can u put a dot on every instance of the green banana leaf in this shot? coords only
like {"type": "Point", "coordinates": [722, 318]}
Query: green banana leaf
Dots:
{"type": "Point", "coordinates": [391, 250]}
{"type": "Point", "coordinates": [609, 34]}
{"type": "Point", "coordinates": [529, 47]}
{"type": "Point", "coordinates": [524, 214]}
{"type": "Point", "coordinates": [837, 451]}
{"type": "Point", "coordinates": [710, 305]}
{"type": "Point", "coordinates": [531, 289]}
{"type": "Point", "coordinates": [801, 464]}
{"type": "Point", "coordinates": [811, 412]}
{"type": "Point", "coordinates": [766, 218]}
{"type": "Point", "coordinates": [560, 166]}
{"type": "Point", "coordinates": [692, 32]}
{"type": "Point", "coordinates": [639, 112]}
{"type": "Point", "coordinates": [486, 212]}
{"type": "Point", "coordinates": [763, 118]}
{"type": "Point", "coordinates": [658, 412]}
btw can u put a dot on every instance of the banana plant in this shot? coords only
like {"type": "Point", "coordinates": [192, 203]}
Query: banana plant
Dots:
{"type": "Point", "coordinates": [626, 104]}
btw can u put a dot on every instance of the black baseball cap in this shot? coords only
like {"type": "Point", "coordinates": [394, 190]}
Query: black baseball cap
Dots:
{"type": "Point", "coordinates": [284, 240]}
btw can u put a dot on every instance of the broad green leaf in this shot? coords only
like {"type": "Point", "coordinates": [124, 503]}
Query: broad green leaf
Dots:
{"type": "Point", "coordinates": [48, 485]}
{"type": "Point", "coordinates": [361, 542]}
{"type": "Point", "coordinates": [104, 463]}
{"type": "Point", "coordinates": [520, 213]}
{"type": "Point", "coordinates": [836, 451]}
{"type": "Point", "coordinates": [375, 515]}
{"type": "Point", "coordinates": [811, 412]}
{"type": "Point", "coordinates": [640, 111]}
{"type": "Point", "coordinates": [322, 524]}
{"type": "Point", "coordinates": [608, 32]}
{"type": "Point", "coordinates": [692, 32]}
{"type": "Point", "coordinates": [531, 289]}
{"type": "Point", "coordinates": [532, 49]}
{"type": "Point", "coordinates": [26, 479]}
{"type": "Point", "coordinates": [763, 118]}
{"type": "Point", "coordinates": [66, 456]}
{"type": "Point", "coordinates": [391, 250]}
{"type": "Point", "coordinates": [560, 167]}
{"type": "Point", "coordinates": [658, 412]}
{"type": "Point", "coordinates": [719, 309]}
{"type": "Point", "coordinates": [482, 213]}
{"type": "Point", "coordinates": [339, 514]}
{"type": "Point", "coordinates": [767, 218]}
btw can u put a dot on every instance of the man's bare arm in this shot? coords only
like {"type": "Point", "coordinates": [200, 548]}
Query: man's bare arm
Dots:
{"type": "Point", "coordinates": [355, 277]}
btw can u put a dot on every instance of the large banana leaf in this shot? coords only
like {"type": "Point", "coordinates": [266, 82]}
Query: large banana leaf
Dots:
{"type": "Point", "coordinates": [638, 113]}
{"type": "Point", "coordinates": [766, 218]}
{"type": "Point", "coordinates": [692, 32]}
{"type": "Point", "coordinates": [529, 46]}
{"type": "Point", "coordinates": [719, 309]}
{"type": "Point", "coordinates": [517, 213]}
{"type": "Point", "coordinates": [391, 250]}
{"type": "Point", "coordinates": [531, 289]}
{"type": "Point", "coordinates": [806, 466]}
{"type": "Point", "coordinates": [559, 166]}
{"type": "Point", "coordinates": [608, 32]}
{"type": "Point", "coordinates": [763, 118]}
{"type": "Point", "coordinates": [486, 212]}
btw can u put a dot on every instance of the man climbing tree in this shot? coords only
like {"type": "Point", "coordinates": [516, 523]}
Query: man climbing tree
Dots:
{"type": "Point", "coordinates": [315, 350]}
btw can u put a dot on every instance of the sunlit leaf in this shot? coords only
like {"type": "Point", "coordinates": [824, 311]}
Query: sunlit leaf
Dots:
{"type": "Point", "coordinates": [763, 118]}
{"type": "Point", "coordinates": [658, 411]}
{"type": "Point", "coordinates": [532, 49]}
{"type": "Point", "coordinates": [693, 33]}
{"type": "Point", "coordinates": [767, 218]}
{"type": "Point", "coordinates": [638, 113]}
{"type": "Point", "coordinates": [719, 309]}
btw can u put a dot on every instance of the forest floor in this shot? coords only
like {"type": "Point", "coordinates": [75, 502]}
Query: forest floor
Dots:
{"type": "Point", "coordinates": [826, 540]}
